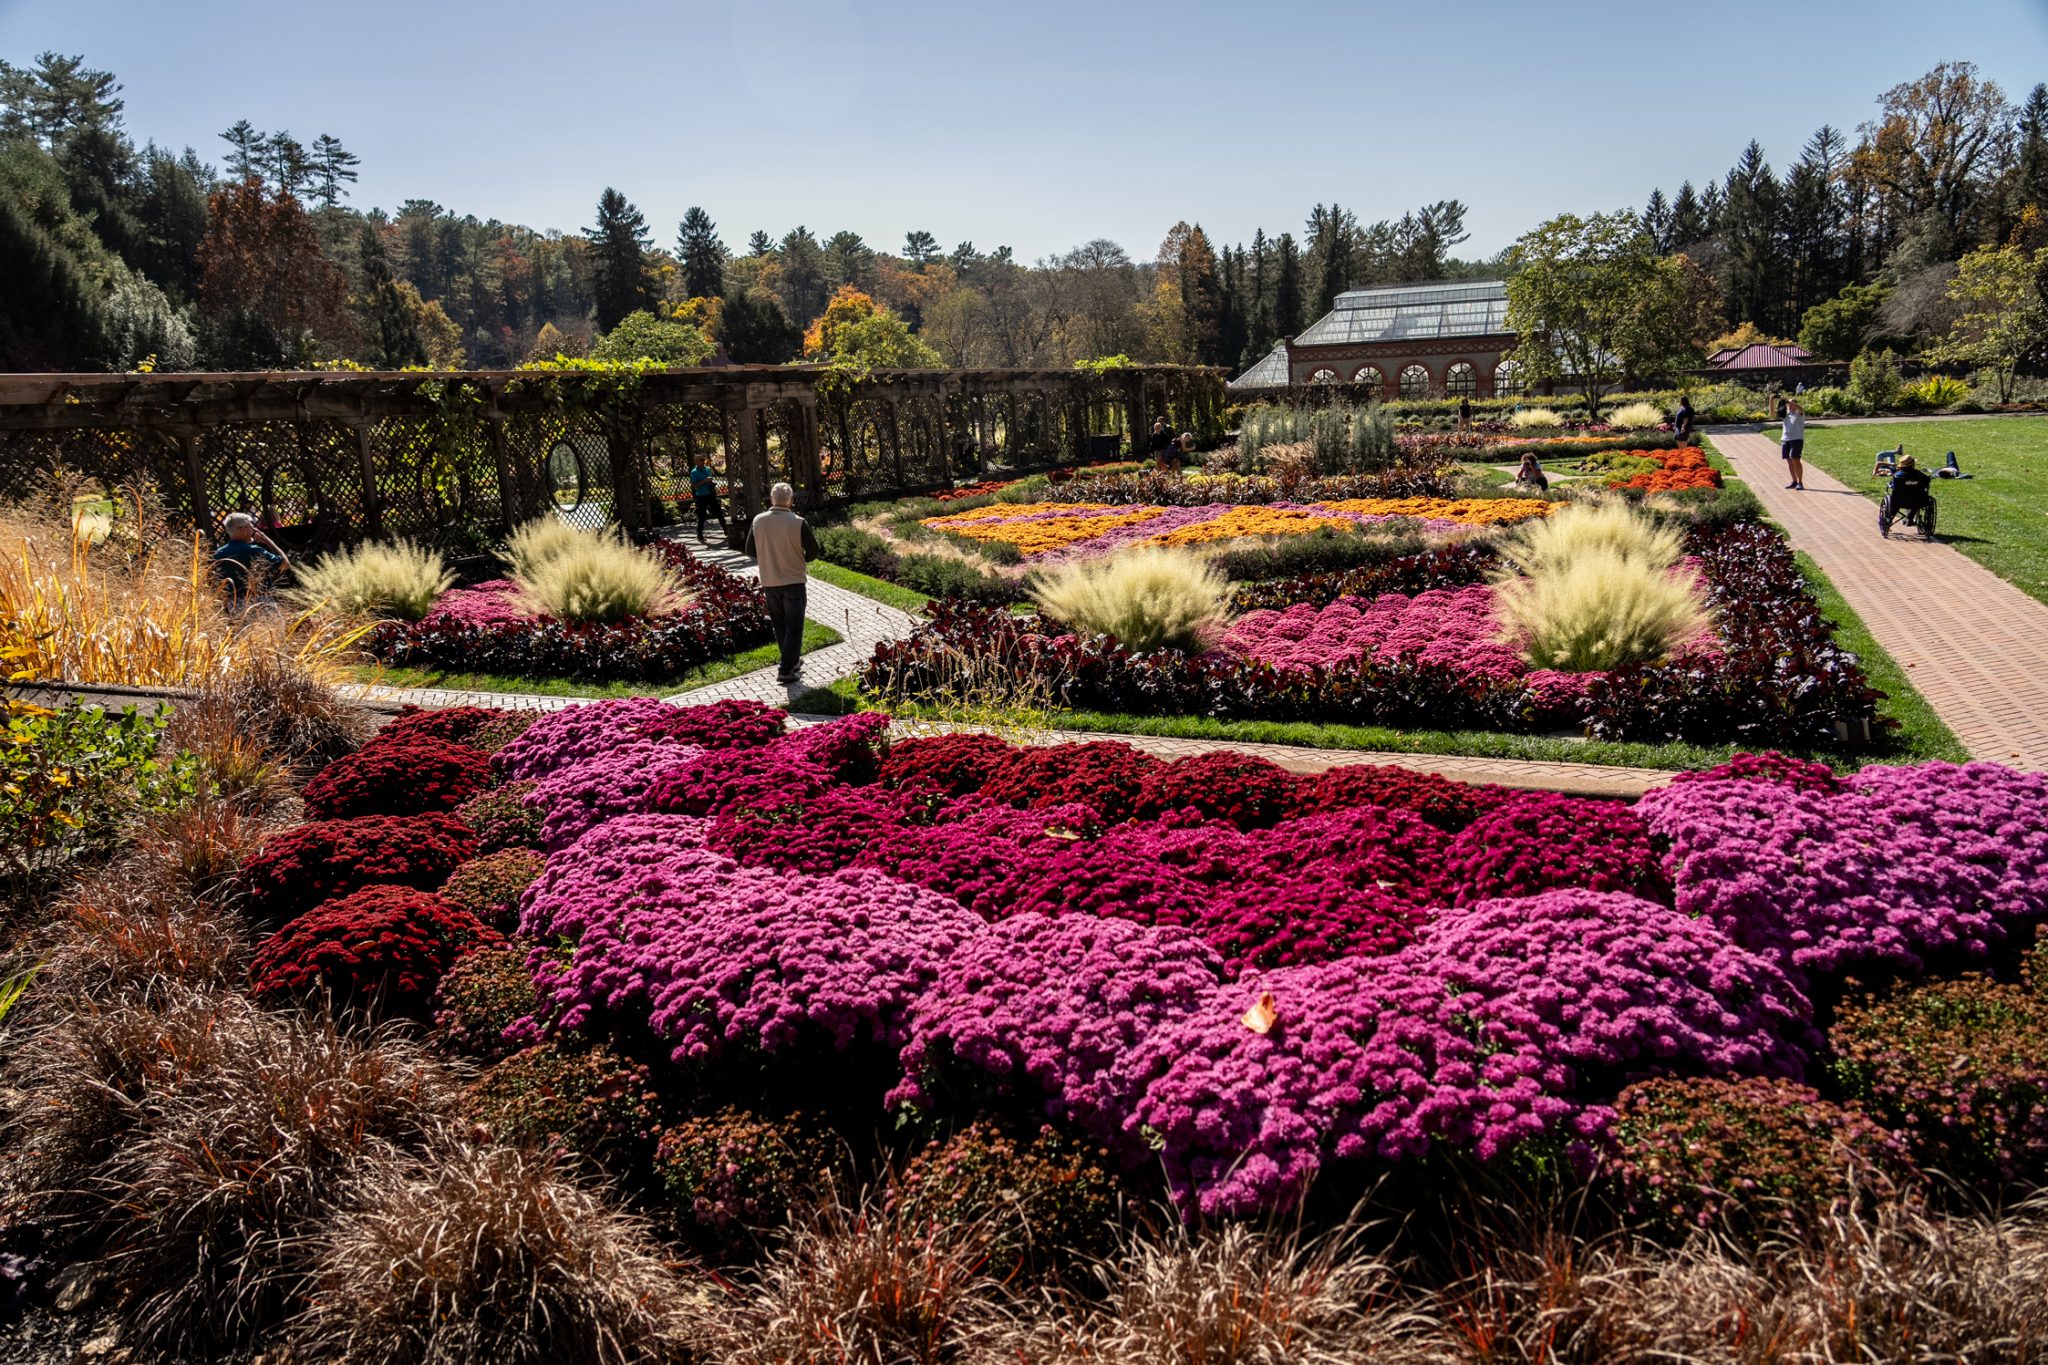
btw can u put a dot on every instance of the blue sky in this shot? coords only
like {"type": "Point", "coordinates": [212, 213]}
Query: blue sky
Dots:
{"type": "Point", "coordinates": [1038, 125]}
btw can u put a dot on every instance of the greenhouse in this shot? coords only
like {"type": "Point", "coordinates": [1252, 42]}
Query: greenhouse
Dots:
{"type": "Point", "coordinates": [1442, 340]}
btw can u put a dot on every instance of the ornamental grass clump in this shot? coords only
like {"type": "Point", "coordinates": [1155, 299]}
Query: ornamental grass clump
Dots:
{"type": "Point", "coordinates": [598, 578]}
{"type": "Point", "coordinates": [1748, 1155]}
{"type": "Point", "coordinates": [384, 948]}
{"type": "Point", "coordinates": [1960, 1070]}
{"type": "Point", "coordinates": [394, 579]}
{"type": "Point", "coordinates": [489, 1256]}
{"type": "Point", "coordinates": [733, 1177]}
{"type": "Point", "coordinates": [1147, 599]}
{"type": "Point", "coordinates": [1636, 416]}
{"type": "Point", "coordinates": [1535, 419]}
{"type": "Point", "coordinates": [1554, 543]}
{"type": "Point", "coordinates": [540, 542]}
{"type": "Point", "coordinates": [1597, 588]}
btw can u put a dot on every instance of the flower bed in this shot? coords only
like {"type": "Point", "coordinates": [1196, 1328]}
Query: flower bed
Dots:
{"type": "Point", "coordinates": [1662, 471]}
{"type": "Point", "coordinates": [1776, 675]}
{"type": "Point", "coordinates": [1214, 970]}
{"type": "Point", "coordinates": [1048, 531]}
{"type": "Point", "coordinates": [480, 630]}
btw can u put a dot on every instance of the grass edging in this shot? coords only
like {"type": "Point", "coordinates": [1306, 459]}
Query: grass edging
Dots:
{"type": "Point", "coordinates": [816, 636]}
{"type": "Point", "coordinates": [888, 594]}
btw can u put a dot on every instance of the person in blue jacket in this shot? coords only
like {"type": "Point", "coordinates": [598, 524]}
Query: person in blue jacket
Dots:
{"type": "Point", "coordinates": [246, 549]}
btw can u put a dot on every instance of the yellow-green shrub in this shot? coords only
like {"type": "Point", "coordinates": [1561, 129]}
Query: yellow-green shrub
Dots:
{"type": "Point", "coordinates": [599, 578]}
{"type": "Point", "coordinates": [1147, 598]}
{"type": "Point", "coordinates": [539, 541]}
{"type": "Point", "coordinates": [1534, 419]}
{"type": "Point", "coordinates": [1600, 609]}
{"type": "Point", "coordinates": [396, 579]}
{"type": "Point", "coordinates": [1631, 416]}
{"type": "Point", "coordinates": [1555, 541]}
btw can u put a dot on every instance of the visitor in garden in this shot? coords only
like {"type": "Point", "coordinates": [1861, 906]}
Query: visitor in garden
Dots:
{"type": "Point", "coordinates": [246, 547]}
{"type": "Point", "coordinates": [1794, 444]}
{"type": "Point", "coordinates": [1162, 442]}
{"type": "Point", "coordinates": [780, 542]}
{"type": "Point", "coordinates": [1681, 420]}
{"type": "Point", "coordinates": [1531, 473]}
{"type": "Point", "coordinates": [704, 489]}
{"type": "Point", "coordinates": [1183, 451]}
{"type": "Point", "coordinates": [1464, 413]}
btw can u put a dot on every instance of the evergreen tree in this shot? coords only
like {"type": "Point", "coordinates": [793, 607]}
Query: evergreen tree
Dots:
{"type": "Point", "coordinates": [1688, 221]}
{"type": "Point", "coordinates": [1657, 222]}
{"type": "Point", "coordinates": [1232, 334]}
{"type": "Point", "coordinates": [1258, 305]}
{"type": "Point", "coordinates": [760, 243]}
{"type": "Point", "coordinates": [920, 248]}
{"type": "Point", "coordinates": [1200, 298]}
{"type": "Point", "coordinates": [245, 155]}
{"type": "Point", "coordinates": [2029, 183]}
{"type": "Point", "coordinates": [50, 296]}
{"type": "Point", "coordinates": [170, 209]}
{"type": "Point", "coordinates": [1751, 251]}
{"type": "Point", "coordinates": [702, 255]}
{"type": "Point", "coordinates": [1287, 320]}
{"type": "Point", "coordinates": [1813, 224]}
{"type": "Point", "coordinates": [333, 167]}
{"type": "Point", "coordinates": [802, 282]}
{"type": "Point", "coordinates": [57, 99]}
{"type": "Point", "coordinates": [289, 168]}
{"type": "Point", "coordinates": [753, 330]}
{"type": "Point", "coordinates": [849, 260]}
{"type": "Point", "coordinates": [618, 246]}
{"type": "Point", "coordinates": [1332, 241]}
{"type": "Point", "coordinates": [391, 331]}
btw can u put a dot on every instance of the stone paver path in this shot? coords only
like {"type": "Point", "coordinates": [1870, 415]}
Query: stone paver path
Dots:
{"type": "Point", "coordinates": [862, 623]}
{"type": "Point", "coordinates": [1975, 646]}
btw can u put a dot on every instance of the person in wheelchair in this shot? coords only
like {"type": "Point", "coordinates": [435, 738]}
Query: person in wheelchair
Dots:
{"type": "Point", "coordinates": [1908, 497]}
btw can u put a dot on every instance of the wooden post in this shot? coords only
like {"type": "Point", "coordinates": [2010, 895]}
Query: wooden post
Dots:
{"type": "Point", "coordinates": [195, 475]}
{"type": "Point", "coordinates": [373, 506]}
{"type": "Point", "coordinates": [895, 432]}
{"type": "Point", "coordinates": [804, 457]}
{"type": "Point", "coordinates": [514, 507]}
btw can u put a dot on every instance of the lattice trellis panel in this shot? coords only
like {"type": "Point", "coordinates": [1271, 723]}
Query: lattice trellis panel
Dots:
{"type": "Point", "coordinates": [301, 479]}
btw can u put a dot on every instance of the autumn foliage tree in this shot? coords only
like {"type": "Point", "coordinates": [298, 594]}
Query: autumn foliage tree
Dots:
{"type": "Point", "coordinates": [855, 330]}
{"type": "Point", "coordinates": [268, 290]}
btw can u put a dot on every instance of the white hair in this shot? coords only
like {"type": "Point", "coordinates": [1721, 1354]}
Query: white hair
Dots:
{"type": "Point", "coordinates": [235, 521]}
{"type": "Point", "coordinates": [781, 495]}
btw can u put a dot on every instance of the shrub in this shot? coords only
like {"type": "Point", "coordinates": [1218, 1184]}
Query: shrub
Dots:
{"type": "Point", "coordinates": [501, 729]}
{"type": "Point", "coordinates": [601, 580]}
{"type": "Point", "coordinates": [821, 834]}
{"type": "Point", "coordinates": [481, 996]}
{"type": "Point", "coordinates": [540, 542]}
{"type": "Point", "coordinates": [489, 887]}
{"type": "Point", "coordinates": [1874, 379]}
{"type": "Point", "coordinates": [399, 579]}
{"type": "Point", "coordinates": [733, 1174]}
{"type": "Point", "coordinates": [1147, 599]}
{"type": "Point", "coordinates": [1248, 791]}
{"type": "Point", "coordinates": [1535, 419]}
{"type": "Point", "coordinates": [1537, 841]}
{"type": "Point", "coordinates": [1041, 1200]}
{"type": "Point", "coordinates": [1937, 391]}
{"type": "Point", "coordinates": [501, 819]}
{"type": "Point", "coordinates": [327, 859]}
{"type": "Point", "coordinates": [1103, 775]}
{"type": "Point", "coordinates": [1748, 1154]}
{"type": "Point", "coordinates": [1449, 805]}
{"type": "Point", "coordinates": [450, 724]}
{"type": "Point", "coordinates": [1960, 1070]}
{"type": "Point", "coordinates": [402, 775]}
{"type": "Point", "coordinates": [385, 947]}
{"type": "Point", "coordinates": [1554, 543]}
{"type": "Point", "coordinates": [1634, 416]}
{"type": "Point", "coordinates": [557, 1095]}
{"type": "Point", "coordinates": [575, 733]}
{"type": "Point", "coordinates": [721, 725]}
{"type": "Point", "coordinates": [948, 764]}
{"type": "Point", "coordinates": [1601, 612]}
{"type": "Point", "coordinates": [581, 796]}
{"type": "Point", "coordinates": [485, 1254]}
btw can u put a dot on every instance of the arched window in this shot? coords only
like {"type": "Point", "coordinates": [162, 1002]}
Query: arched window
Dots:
{"type": "Point", "coordinates": [1415, 382]}
{"type": "Point", "coordinates": [1461, 381]}
{"type": "Point", "coordinates": [1323, 377]}
{"type": "Point", "coordinates": [1507, 378]}
{"type": "Point", "coordinates": [1369, 374]}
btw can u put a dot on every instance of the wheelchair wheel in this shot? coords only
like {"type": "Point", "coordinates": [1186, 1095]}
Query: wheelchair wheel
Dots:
{"type": "Point", "coordinates": [1927, 521]}
{"type": "Point", "coordinates": [1884, 522]}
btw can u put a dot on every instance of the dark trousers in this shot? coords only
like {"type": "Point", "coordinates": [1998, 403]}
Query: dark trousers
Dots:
{"type": "Point", "coordinates": [786, 615]}
{"type": "Point", "coordinates": [707, 510]}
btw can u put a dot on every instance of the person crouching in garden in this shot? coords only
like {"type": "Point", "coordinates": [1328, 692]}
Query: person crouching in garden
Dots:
{"type": "Point", "coordinates": [1531, 473]}
{"type": "Point", "coordinates": [246, 549]}
{"type": "Point", "coordinates": [781, 542]}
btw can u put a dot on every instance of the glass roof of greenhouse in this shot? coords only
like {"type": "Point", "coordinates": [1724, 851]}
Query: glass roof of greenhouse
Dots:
{"type": "Point", "coordinates": [1269, 373]}
{"type": "Point", "coordinates": [1412, 312]}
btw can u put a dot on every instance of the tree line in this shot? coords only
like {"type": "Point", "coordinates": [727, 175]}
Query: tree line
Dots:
{"type": "Point", "coordinates": [124, 256]}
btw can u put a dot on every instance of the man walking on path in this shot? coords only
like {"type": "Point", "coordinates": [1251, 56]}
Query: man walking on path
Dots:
{"type": "Point", "coordinates": [781, 542]}
{"type": "Point", "coordinates": [1792, 445]}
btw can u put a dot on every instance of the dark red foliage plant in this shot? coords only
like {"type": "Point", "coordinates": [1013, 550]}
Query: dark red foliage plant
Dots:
{"type": "Point", "coordinates": [950, 765]}
{"type": "Point", "coordinates": [324, 859]}
{"type": "Point", "coordinates": [1540, 841]}
{"type": "Point", "coordinates": [734, 724]}
{"type": "Point", "coordinates": [454, 724]}
{"type": "Point", "coordinates": [1101, 774]}
{"type": "Point", "coordinates": [385, 947]}
{"type": "Point", "coordinates": [1245, 790]}
{"type": "Point", "coordinates": [399, 775]}
{"type": "Point", "coordinates": [1446, 803]}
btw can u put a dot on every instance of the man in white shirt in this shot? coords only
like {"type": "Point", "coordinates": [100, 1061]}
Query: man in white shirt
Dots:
{"type": "Point", "coordinates": [1793, 444]}
{"type": "Point", "coordinates": [781, 543]}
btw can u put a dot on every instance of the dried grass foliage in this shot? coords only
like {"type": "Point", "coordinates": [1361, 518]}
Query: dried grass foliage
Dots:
{"type": "Point", "coordinates": [1148, 598]}
{"type": "Point", "coordinates": [394, 578]}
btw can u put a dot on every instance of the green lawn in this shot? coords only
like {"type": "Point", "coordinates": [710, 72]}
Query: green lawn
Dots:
{"type": "Point", "coordinates": [889, 594]}
{"type": "Point", "coordinates": [718, 670]}
{"type": "Point", "coordinates": [1998, 516]}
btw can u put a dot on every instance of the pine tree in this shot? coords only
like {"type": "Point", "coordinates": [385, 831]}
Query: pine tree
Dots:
{"type": "Point", "coordinates": [333, 166]}
{"type": "Point", "coordinates": [1287, 289]}
{"type": "Point", "coordinates": [702, 255]}
{"type": "Point", "coordinates": [1657, 222]}
{"type": "Point", "coordinates": [1814, 242]}
{"type": "Point", "coordinates": [753, 330]}
{"type": "Point", "coordinates": [1688, 224]}
{"type": "Point", "coordinates": [284, 157]}
{"type": "Point", "coordinates": [245, 155]}
{"type": "Point", "coordinates": [801, 281]}
{"type": "Point", "coordinates": [2030, 155]}
{"type": "Point", "coordinates": [1258, 305]}
{"type": "Point", "coordinates": [56, 99]}
{"type": "Point", "coordinates": [1200, 298]}
{"type": "Point", "coordinates": [920, 248]}
{"type": "Point", "coordinates": [1231, 331]}
{"type": "Point", "coordinates": [1752, 252]}
{"type": "Point", "coordinates": [851, 260]}
{"type": "Point", "coordinates": [391, 329]}
{"type": "Point", "coordinates": [760, 243]}
{"type": "Point", "coordinates": [1332, 243]}
{"type": "Point", "coordinates": [618, 247]}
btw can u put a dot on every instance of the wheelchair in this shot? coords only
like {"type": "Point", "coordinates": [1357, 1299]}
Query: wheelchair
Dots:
{"type": "Point", "coordinates": [1917, 511]}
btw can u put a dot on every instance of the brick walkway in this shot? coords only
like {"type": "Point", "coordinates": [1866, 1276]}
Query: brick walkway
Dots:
{"type": "Point", "coordinates": [1975, 646]}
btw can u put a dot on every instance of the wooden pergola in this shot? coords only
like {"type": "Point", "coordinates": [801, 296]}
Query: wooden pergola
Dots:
{"type": "Point", "coordinates": [328, 457]}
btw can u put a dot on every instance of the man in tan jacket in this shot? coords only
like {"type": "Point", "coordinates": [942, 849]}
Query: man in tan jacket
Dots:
{"type": "Point", "coordinates": [781, 542]}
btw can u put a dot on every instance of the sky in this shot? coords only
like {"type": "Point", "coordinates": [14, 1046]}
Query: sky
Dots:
{"type": "Point", "coordinates": [1037, 125]}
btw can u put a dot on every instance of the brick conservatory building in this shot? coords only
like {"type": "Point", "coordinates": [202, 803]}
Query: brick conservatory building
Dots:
{"type": "Point", "coordinates": [1403, 340]}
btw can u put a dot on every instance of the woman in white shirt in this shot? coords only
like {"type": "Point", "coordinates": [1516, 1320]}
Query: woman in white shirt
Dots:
{"type": "Point", "coordinates": [1793, 444]}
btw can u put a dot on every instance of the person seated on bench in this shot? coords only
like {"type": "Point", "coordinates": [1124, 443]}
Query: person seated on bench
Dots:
{"type": "Point", "coordinates": [246, 548]}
